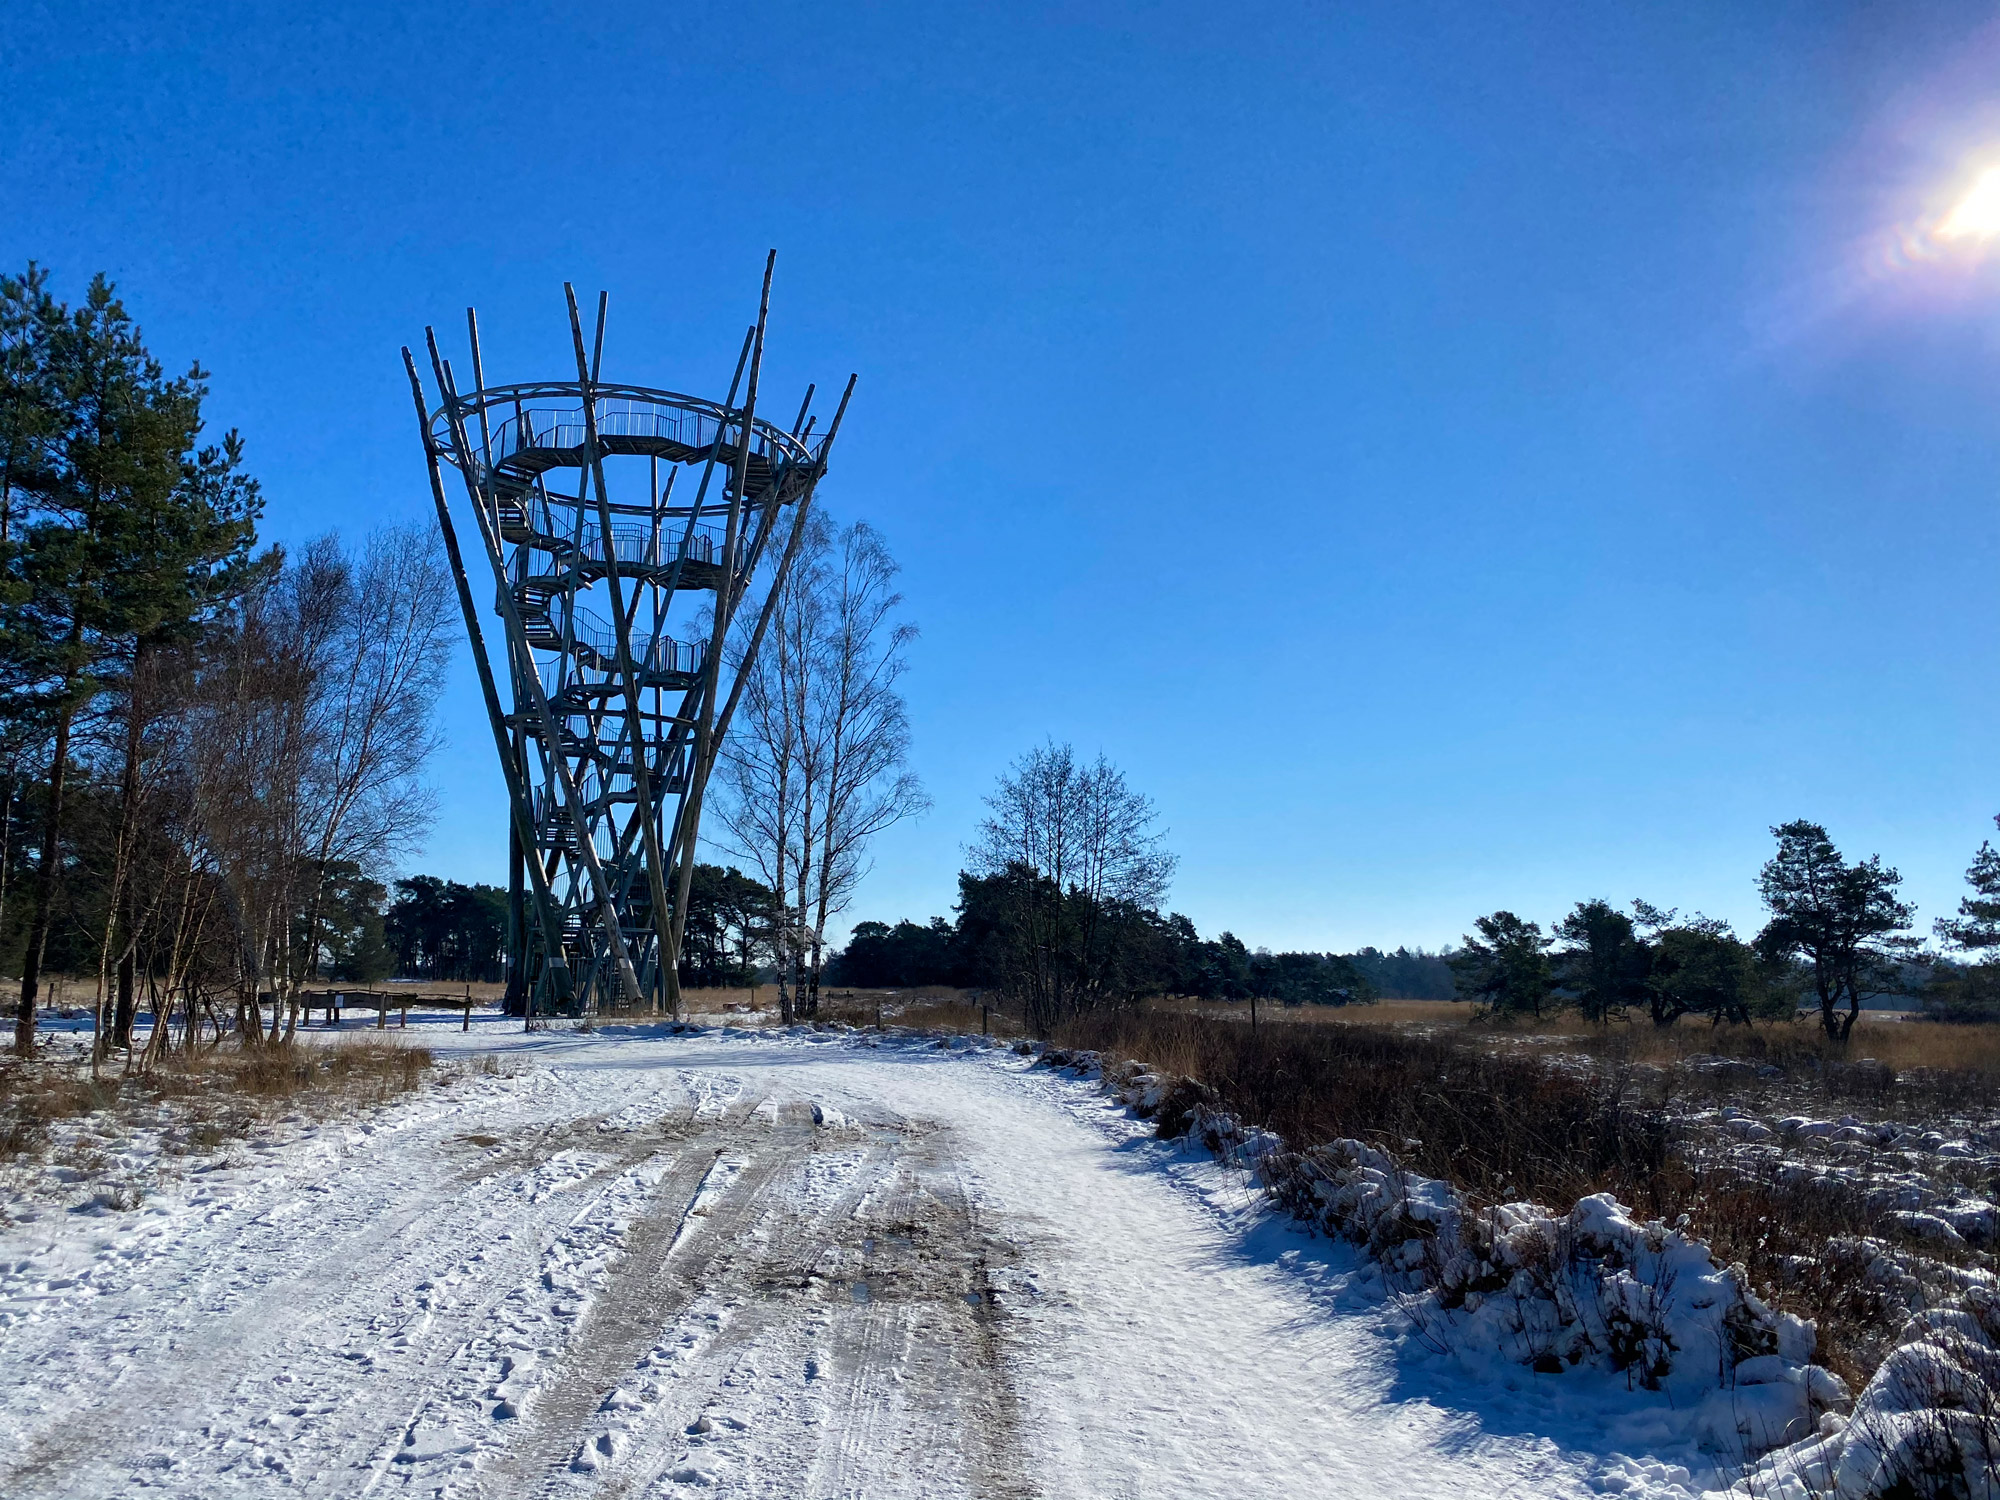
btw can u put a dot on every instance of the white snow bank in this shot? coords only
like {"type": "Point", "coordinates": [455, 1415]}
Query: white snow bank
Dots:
{"type": "Point", "coordinates": [1520, 1284]}
{"type": "Point", "coordinates": [1928, 1423]}
{"type": "Point", "coordinates": [1595, 1288]}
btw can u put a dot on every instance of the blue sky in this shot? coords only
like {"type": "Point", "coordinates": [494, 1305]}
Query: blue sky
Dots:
{"type": "Point", "coordinates": [1451, 456]}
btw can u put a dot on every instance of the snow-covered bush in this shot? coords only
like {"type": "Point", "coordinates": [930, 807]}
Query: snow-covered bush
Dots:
{"type": "Point", "coordinates": [1927, 1423]}
{"type": "Point", "coordinates": [1594, 1287]}
{"type": "Point", "coordinates": [1519, 1283]}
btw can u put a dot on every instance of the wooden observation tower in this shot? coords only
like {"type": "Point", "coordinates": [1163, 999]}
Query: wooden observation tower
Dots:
{"type": "Point", "coordinates": [629, 619]}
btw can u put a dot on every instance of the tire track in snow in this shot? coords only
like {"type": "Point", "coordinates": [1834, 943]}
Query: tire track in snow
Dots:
{"type": "Point", "coordinates": [292, 1296]}
{"type": "Point", "coordinates": [921, 1349]}
{"type": "Point", "coordinates": [667, 1256]}
{"type": "Point", "coordinates": [459, 1414]}
{"type": "Point", "coordinates": [695, 1368]}
{"type": "Point", "coordinates": [761, 1297]}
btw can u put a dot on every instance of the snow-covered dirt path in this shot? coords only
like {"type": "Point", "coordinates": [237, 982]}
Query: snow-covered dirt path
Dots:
{"type": "Point", "coordinates": [643, 1266]}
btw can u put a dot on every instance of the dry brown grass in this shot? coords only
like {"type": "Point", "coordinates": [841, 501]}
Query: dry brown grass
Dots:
{"type": "Point", "coordinates": [1502, 1120]}
{"type": "Point", "coordinates": [1898, 1039]}
{"type": "Point", "coordinates": [1892, 1041]}
{"type": "Point", "coordinates": [1380, 1013]}
{"type": "Point", "coordinates": [215, 1095]}
{"type": "Point", "coordinates": [922, 1010]}
{"type": "Point", "coordinates": [1891, 1062]}
{"type": "Point", "coordinates": [1501, 1125]}
{"type": "Point", "coordinates": [712, 1002]}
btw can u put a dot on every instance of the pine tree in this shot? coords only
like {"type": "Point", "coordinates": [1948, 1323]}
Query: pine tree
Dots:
{"type": "Point", "coordinates": [1604, 963]}
{"type": "Point", "coordinates": [122, 531]}
{"type": "Point", "coordinates": [1977, 926]}
{"type": "Point", "coordinates": [1506, 967]}
{"type": "Point", "coordinates": [1700, 967]}
{"type": "Point", "coordinates": [1843, 920]}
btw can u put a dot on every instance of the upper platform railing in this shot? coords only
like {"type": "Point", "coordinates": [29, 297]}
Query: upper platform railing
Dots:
{"type": "Point", "coordinates": [551, 416]}
{"type": "Point", "coordinates": [557, 527]}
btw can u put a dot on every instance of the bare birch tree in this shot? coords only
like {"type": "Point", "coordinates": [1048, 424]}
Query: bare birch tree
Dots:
{"type": "Point", "coordinates": [1073, 847]}
{"type": "Point", "coordinates": [817, 765]}
{"type": "Point", "coordinates": [313, 719]}
{"type": "Point", "coordinates": [374, 726]}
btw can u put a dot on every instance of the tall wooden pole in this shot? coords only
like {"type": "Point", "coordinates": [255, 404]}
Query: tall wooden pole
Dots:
{"type": "Point", "coordinates": [516, 798]}
{"type": "Point", "coordinates": [703, 757]}
{"type": "Point", "coordinates": [552, 728]}
{"type": "Point", "coordinates": [642, 776]}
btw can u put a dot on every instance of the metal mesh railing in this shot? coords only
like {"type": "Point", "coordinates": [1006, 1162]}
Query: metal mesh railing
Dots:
{"type": "Point", "coordinates": [639, 547]}
{"type": "Point", "coordinates": [552, 416]}
{"type": "Point", "coordinates": [636, 544]}
{"type": "Point", "coordinates": [564, 426]}
{"type": "Point", "coordinates": [666, 655]}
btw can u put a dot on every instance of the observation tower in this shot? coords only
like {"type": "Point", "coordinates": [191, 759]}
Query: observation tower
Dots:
{"type": "Point", "coordinates": [634, 541]}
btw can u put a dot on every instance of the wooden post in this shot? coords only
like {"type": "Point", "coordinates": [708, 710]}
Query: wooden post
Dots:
{"type": "Point", "coordinates": [516, 793]}
{"type": "Point", "coordinates": [382, 1014]}
{"type": "Point", "coordinates": [689, 814]}
{"type": "Point", "coordinates": [982, 1018]}
{"type": "Point", "coordinates": [642, 776]}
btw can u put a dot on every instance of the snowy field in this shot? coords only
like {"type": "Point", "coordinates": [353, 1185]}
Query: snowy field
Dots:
{"type": "Point", "coordinates": [632, 1264]}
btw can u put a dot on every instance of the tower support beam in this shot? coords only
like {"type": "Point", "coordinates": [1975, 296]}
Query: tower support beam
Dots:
{"type": "Point", "coordinates": [630, 625]}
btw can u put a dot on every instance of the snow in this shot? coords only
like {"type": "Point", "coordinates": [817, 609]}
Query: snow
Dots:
{"type": "Point", "coordinates": [1590, 1290]}
{"type": "Point", "coordinates": [789, 1265]}
{"type": "Point", "coordinates": [1927, 1423]}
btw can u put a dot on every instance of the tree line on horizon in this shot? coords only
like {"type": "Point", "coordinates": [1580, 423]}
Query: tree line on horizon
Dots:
{"type": "Point", "coordinates": [426, 927]}
{"type": "Point", "coordinates": [1060, 909]}
{"type": "Point", "coordinates": [945, 952]}
{"type": "Point", "coordinates": [1065, 942]}
{"type": "Point", "coordinates": [1838, 937]}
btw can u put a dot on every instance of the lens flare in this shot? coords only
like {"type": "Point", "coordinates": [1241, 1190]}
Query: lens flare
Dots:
{"type": "Point", "coordinates": [1977, 216]}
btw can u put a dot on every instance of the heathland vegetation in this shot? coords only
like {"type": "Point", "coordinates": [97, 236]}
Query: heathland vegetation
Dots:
{"type": "Point", "coordinates": [1746, 1089]}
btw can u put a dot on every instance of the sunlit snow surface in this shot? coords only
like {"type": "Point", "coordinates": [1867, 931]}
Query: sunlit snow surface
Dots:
{"type": "Point", "coordinates": [793, 1265]}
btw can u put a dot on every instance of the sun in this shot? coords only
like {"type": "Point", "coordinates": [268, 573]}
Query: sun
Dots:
{"type": "Point", "coordinates": [1977, 216]}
